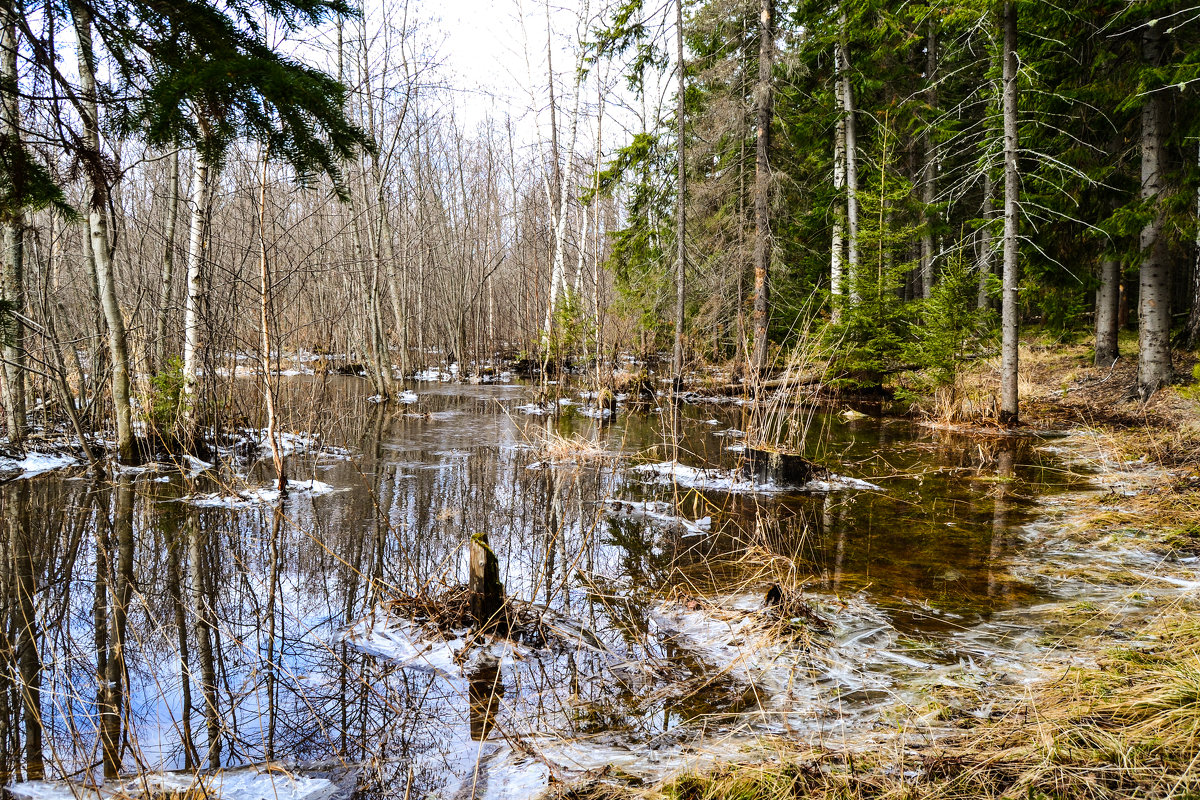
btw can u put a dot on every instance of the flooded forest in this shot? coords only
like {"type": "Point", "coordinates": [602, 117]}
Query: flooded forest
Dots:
{"type": "Point", "coordinates": [601, 400]}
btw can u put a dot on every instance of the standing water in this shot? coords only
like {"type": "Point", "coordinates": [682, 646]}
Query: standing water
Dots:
{"type": "Point", "coordinates": [185, 618]}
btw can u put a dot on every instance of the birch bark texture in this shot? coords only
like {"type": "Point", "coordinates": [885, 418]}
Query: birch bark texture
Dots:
{"type": "Point", "coordinates": [837, 246]}
{"type": "Point", "coordinates": [98, 234]}
{"type": "Point", "coordinates": [851, 153]}
{"type": "Point", "coordinates": [195, 291]}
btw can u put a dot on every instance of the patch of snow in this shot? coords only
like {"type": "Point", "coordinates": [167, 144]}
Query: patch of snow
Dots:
{"type": "Point", "coordinates": [249, 498]}
{"type": "Point", "coordinates": [835, 483]}
{"type": "Point", "coordinates": [241, 784]}
{"type": "Point", "coordinates": [672, 472]}
{"type": "Point", "coordinates": [408, 397]}
{"type": "Point", "coordinates": [596, 413]}
{"type": "Point", "coordinates": [407, 644]}
{"type": "Point", "coordinates": [659, 512]}
{"type": "Point", "coordinates": [36, 463]}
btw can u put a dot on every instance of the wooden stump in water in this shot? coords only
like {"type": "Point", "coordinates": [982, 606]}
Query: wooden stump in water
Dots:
{"type": "Point", "coordinates": [774, 466]}
{"type": "Point", "coordinates": [486, 590]}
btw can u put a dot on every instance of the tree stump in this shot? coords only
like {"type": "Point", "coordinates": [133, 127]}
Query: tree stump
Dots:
{"type": "Point", "coordinates": [486, 591]}
{"type": "Point", "coordinates": [773, 466]}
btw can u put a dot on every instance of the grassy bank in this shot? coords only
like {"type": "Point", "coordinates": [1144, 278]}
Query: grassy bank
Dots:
{"type": "Point", "coordinates": [1121, 719]}
{"type": "Point", "coordinates": [1125, 726]}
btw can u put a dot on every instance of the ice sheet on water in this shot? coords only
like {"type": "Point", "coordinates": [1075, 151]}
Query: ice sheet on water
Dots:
{"type": "Point", "coordinates": [658, 512]}
{"type": "Point", "coordinates": [722, 480]}
{"type": "Point", "coordinates": [432, 375]}
{"type": "Point", "coordinates": [834, 483]}
{"type": "Point", "coordinates": [35, 464]}
{"type": "Point", "coordinates": [533, 410]}
{"type": "Point", "coordinates": [240, 784]}
{"type": "Point", "coordinates": [248, 498]}
{"type": "Point", "coordinates": [407, 644]}
{"type": "Point", "coordinates": [672, 472]}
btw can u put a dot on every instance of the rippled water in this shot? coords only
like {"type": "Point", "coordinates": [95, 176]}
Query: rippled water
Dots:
{"type": "Point", "coordinates": [651, 588]}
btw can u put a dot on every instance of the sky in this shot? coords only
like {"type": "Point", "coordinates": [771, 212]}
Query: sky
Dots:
{"type": "Point", "coordinates": [491, 61]}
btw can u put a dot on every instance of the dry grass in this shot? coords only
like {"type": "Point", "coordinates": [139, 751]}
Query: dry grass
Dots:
{"type": "Point", "coordinates": [578, 449]}
{"type": "Point", "coordinates": [1162, 518]}
{"type": "Point", "coordinates": [1127, 727]}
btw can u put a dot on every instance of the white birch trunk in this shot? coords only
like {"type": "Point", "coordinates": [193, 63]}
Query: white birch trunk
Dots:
{"type": "Point", "coordinates": [101, 251]}
{"type": "Point", "coordinates": [851, 179]}
{"type": "Point", "coordinates": [195, 293]}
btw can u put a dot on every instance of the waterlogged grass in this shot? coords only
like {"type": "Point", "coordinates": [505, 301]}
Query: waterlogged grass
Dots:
{"type": "Point", "coordinates": [1127, 726]}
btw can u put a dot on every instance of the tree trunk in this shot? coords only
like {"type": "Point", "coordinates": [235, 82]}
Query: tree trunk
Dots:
{"type": "Point", "coordinates": [762, 186]}
{"type": "Point", "coordinates": [195, 295]}
{"type": "Point", "coordinates": [204, 642]}
{"type": "Point", "coordinates": [929, 182]}
{"type": "Point", "coordinates": [1107, 299]}
{"type": "Point", "coordinates": [680, 192]}
{"type": "Point", "coordinates": [168, 268]}
{"type": "Point", "coordinates": [112, 713]}
{"type": "Point", "coordinates": [1192, 331]}
{"type": "Point", "coordinates": [29, 637]}
{"type": "Point", "coordinates": [984, 265]}
{"type": "Point", "coordinates": [486, 590]}
{"type": "Point", "coordinates": [175, 594]}
{"type": "Point", "coordinates": [851, 178]}
{"type": "Point", "coordinates": [836, 279]}
{"type": "Point", "coordinates": [1009, 404]}
{"type": "Point", "coordinates": [266, 314]}
{"type": "Point", "coordinates": [98, 192]}
{"type": "Point", "coordinates": [12, 278]}
{"type": "Point", "coordinates": [1154, 284]}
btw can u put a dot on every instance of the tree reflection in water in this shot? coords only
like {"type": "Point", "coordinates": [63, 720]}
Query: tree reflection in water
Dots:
{"type": "Point", "coordinates": [142, 631]}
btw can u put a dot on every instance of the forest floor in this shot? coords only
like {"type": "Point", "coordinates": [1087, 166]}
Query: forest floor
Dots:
{"type": "Point", "coordinates": [1121, 717]}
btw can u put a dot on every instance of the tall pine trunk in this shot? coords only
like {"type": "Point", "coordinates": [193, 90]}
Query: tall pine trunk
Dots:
{"type": "Point", "coordinates": [984, 264]}
{"type": "Point", "coordinates": [929, 178]}
{"type": "Point", "coordinates": [680, 200]}
{"type": "Point", "coordinates": [762, 185]}
{"type": "Point", "coordinates": [1192, 331]}
{"type": "Point", "coordinates": [1009, 404]}
{"type": "Point", "coordinates": [1108, 298]}
{"type": "Point", "coordinates": [1154, 284]}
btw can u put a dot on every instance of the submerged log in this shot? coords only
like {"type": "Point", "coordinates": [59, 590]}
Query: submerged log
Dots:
{"type": "Point", "coordinates": [488, 608]}
{"type": "Point", "coordinates": [774, 466]}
